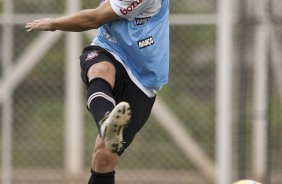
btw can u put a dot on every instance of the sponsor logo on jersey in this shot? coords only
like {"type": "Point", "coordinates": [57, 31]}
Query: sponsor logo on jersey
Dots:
{"type": "Point", "coordinates": [110, 38]}
{"type": "Point", "coordinates": [141, 21]}
{"type": "Point", "coordinates": [146, 42]}
{"type": "Point", "coordinates": [131, 7]}
{"type": "Point", "coordinates": [91, 55]}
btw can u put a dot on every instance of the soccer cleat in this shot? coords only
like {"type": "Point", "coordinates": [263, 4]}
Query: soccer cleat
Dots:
{"type": "Point", "coordinates": [112, 125]}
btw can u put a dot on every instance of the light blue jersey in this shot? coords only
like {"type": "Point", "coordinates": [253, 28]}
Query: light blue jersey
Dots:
{"type": "Point", "coordinates": [142, 44]}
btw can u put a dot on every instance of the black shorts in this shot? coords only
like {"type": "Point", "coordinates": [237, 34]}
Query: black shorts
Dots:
{"type": "Point", "coordinates": [124, 89]}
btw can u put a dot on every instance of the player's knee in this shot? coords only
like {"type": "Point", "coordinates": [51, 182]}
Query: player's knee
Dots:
{"type": "Point", "coordinates": [102, 69]}
{"type": "Point", "coordinates": [103, 159]}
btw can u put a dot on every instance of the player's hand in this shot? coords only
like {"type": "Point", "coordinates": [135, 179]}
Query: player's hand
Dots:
{"type": "Point", "coordinates": [44, 24]}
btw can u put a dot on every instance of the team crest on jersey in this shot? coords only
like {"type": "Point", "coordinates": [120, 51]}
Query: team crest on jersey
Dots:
{"type": "Point", "coordinates": [92, 55]}
{"type": "Point", "coordinates": [146, 42]}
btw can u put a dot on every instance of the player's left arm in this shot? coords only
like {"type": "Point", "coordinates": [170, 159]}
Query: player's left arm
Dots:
{"type": "Point", "coordinates": [81, 21]}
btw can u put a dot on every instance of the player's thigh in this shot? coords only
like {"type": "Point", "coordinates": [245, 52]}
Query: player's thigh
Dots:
{"type": "Point", "coordinates": [96, 62]}
{"type": "Point", "coordinates": [103, 69]}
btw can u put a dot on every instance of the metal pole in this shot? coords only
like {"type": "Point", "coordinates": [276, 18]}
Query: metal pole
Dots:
{"type": "Point", "coordinates": [73, 134]}
{"type": "Point", "coordinates": [224, 91]}
{"type": "Point", "coordinates": [242, 90]}
{"type": "Point", "coordinates": [260, 109]}
{"type": "Point", "coordinates": [7, 105]}
{"type": "Point", "coordinates": [276, 65]}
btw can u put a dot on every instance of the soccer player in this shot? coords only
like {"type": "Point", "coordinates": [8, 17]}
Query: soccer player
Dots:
{"type": "Point", "coordinates": [123, 68]}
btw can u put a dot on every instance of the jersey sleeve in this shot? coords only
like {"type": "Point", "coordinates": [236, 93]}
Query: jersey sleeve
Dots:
{"type": "Point", "coordinates": [129, 9]}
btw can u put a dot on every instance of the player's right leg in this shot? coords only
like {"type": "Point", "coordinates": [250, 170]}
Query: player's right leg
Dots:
{"type": "Point", "coordinates": [99, 75]}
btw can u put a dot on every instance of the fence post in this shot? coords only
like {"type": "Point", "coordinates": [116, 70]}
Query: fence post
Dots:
{"type": "Point", "coordinates": [224, 91]}
{"type": "Point", "coordinates": [73, 118]}
{"type": "Point", "coordinates": [7, 118]}
{"type": "Point", "coordinates": [260, 108]}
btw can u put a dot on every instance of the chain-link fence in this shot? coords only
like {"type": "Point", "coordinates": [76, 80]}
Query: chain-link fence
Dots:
{"type": "Point", "coordinates": [257, 91]}
{"type": "Point", "coordinates": [37, 103]}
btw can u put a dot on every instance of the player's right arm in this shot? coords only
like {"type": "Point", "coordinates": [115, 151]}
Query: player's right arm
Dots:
{"type": "Point", "coordinates": [77, 22]}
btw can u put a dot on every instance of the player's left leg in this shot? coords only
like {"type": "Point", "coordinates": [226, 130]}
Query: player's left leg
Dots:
{"type": "Point", "coordinates": [141, 106]}
{"type": "Point", "coordinates": [102, 168]}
